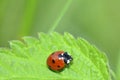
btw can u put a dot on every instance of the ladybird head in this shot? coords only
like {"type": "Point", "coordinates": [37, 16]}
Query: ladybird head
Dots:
{"type": "Point", "coordinates": [67, 58]}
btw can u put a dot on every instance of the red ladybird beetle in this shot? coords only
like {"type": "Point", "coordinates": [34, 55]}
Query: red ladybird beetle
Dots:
{"type": "Point", "coordinates": [58, 60]}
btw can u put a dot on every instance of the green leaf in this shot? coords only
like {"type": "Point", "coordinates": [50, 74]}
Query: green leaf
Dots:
{"type": "Point", "coordinates": [118, 68]}
{"type": "Point", "coordinates": [27, 60]}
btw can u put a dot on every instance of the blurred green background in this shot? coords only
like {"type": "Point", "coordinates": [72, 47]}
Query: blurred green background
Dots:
{"type": "Point", "coordinates": [98, 21]}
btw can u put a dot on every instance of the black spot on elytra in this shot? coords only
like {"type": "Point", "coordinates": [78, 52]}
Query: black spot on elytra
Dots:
{"type": "Point", "coordinates": [53, 61]}
{"type": "Point", "coordinates": [58, 66]}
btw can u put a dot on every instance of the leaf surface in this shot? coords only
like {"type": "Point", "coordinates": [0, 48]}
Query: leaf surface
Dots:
{"type": "Point", "coordinates": [27, 60]}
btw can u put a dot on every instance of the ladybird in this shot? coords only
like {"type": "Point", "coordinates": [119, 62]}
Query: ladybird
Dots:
{"type": "Point", "coordinates": [58, 60]}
